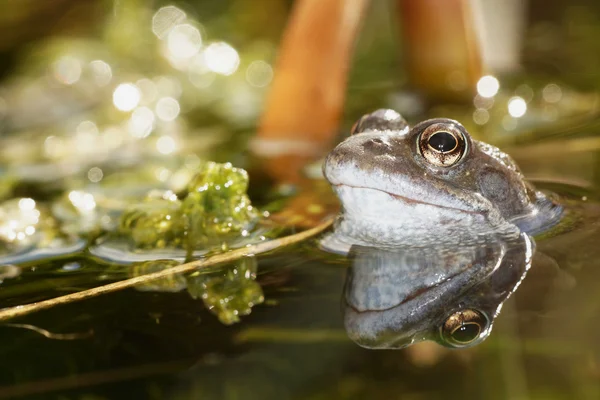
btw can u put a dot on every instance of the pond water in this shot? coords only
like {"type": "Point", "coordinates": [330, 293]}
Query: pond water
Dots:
{"type": "Point", "coordinates": [276, 325]}
{"type": "Point", "coordinates": [155, 345]}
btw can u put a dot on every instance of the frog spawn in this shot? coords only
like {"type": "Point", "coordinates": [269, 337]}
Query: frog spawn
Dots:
{"type": "Point", "coordinates": [212, 212]}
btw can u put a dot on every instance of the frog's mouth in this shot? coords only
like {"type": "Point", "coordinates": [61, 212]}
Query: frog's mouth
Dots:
{"type": "Point", "coordinates": [409, 201]}
{"type": "Point", "coordinates": [355, 183]}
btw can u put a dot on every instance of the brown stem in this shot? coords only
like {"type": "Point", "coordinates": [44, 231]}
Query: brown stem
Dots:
{"type": "Point", "coordinates": [304, 106]}
{"type": "Point", "coordinates": [442, 49]}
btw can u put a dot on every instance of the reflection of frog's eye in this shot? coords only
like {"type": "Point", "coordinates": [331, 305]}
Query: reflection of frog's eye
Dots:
{"type": "Point", "coordinates": [442, 145]}
{"type": "Point", "coordinates": [463, 328]}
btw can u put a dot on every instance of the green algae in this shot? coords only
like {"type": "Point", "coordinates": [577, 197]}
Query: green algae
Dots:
{"type": "Point", "coordinates": [214, 209]}
{"type": "Point", "coordinates": [217, 205]}
{"type": "Point", "coordinates": [157, 222]}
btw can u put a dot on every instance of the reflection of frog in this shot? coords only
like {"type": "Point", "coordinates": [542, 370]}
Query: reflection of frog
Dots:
{"type": "Point", "coordinates": [427, 185]}
{"type": "Point", "coordinates": [394, 298]}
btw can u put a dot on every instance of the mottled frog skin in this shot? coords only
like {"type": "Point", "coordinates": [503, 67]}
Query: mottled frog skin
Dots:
{"type": "Point", "coordinates": [427, 185]}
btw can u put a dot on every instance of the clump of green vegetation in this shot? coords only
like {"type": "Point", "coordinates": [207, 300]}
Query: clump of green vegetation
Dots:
{"type": "Point", "coordinates": [217, 205]}
{"type": "Point", "coordinates": [157, 222]}
{"type": "Point", "coordinates": [229, 294]}
{"type": "Point", "coordinates": [214, 209]}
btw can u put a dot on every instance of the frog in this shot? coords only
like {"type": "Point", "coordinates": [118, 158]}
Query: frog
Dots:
{"type": "Point", "coordinates": [427, 185]}
{"type": "Point", "coordinates": [439, 228]}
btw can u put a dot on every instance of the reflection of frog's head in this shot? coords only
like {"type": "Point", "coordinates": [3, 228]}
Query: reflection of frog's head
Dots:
{"type": "Point", "coordinates": [394, 298]}
{"type": "Point", "coordinates": [395, 182]}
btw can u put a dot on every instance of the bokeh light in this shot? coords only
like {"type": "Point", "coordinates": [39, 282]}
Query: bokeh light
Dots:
{"type": "Point", "coordinates": [26, 204]}
{"type": "Point", "coordinates": [221, 58]}
{"type": "Point", "coordinates": [552, 93]}
{"type": "Point", "coordinates": [126, 97]}
{"type": "Point", "coordinates": [95, 174]}
{"type": "Point", "coordinates": [481, 116]}
{"type": "Point", "coordinates": [517, 107]}
{"type": "Point", "coordinates": [18, 219]}
{"type": "Point", "coordinates": [483, 102]}
{"type": "Point", "coordinates": [101, 71]}
{"type": "Point", "coordinates": [166, 145]}
{"type": "Point", "coordinates": [184, 41]}
{"type": "Point", "coordinates": [259, 73]}
{"type": "Point", "coordinates": [67, 70]}
{"type": "Point", "coordinates": [141, 122]}
{"type": "Point", "coordinates": [83, 201]}
{"type": "Point", "coordinates": [87, 127]}
{"type": "Point", "coordinates": [525, 92]}
{"type": "Point", "coordinates": [167, 108]}
{"type": "Point", "coordinates": [488, 86]}
{"type": "Point", "coordinates": [55, 147]}
{"type": "Point", "coordinates": [85, 139]}
{"type": "Point", "coordinates": [165, 19]}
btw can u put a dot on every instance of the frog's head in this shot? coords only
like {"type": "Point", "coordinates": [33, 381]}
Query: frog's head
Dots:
{"type": "Point", "coordinates": [388, 176]}
{"type": "Point", "coordinates": [435, 163]}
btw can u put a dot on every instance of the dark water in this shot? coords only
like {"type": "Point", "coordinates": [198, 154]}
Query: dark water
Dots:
{"type": "Point", "coordinates": [151, 345]}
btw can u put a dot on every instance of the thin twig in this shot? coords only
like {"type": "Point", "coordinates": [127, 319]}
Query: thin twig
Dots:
{"type": "Point", "coordinates": [51, 335]}
{"type": "Point", "coordinates": [18, 311]}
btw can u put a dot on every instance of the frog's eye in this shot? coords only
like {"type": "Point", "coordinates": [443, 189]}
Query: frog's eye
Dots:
{"type": "Point", "coordinates": [442, 145]}
{"type": "Point", "coordinates": [463, 328]}
{"type": "Point", "coordinates": [381, 120]}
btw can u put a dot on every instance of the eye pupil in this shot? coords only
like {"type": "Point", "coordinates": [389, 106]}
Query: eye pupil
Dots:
{"type": "Point", "coordinates": [466, 333]}
{"type": "Point", "coordinates": [442, 142]}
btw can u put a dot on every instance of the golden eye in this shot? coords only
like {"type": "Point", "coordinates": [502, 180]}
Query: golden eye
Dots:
{"type": "Point", "coordinates": [463, 328]}
{"type": "Point", "coordinates": [442, 145]}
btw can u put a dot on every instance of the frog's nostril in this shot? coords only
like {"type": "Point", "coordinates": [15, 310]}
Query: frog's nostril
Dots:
{"type": "Point", "coordinates": [375, 144]}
